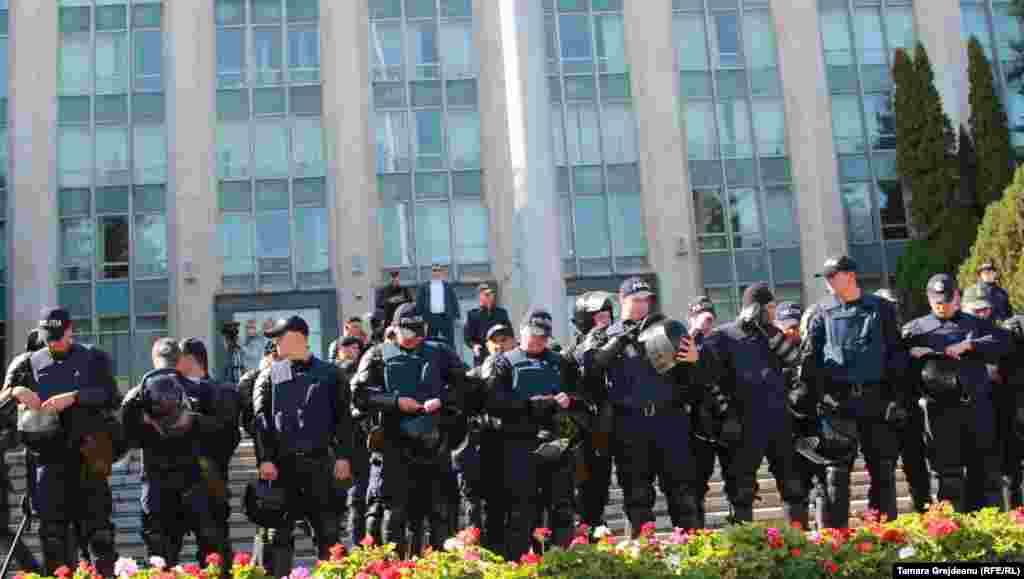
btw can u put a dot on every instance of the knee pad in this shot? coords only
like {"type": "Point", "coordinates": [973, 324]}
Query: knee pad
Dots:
{"type": "Point", "coordinates": [280, 537]}
{"type": "Point", "coordinates": [744, 492]}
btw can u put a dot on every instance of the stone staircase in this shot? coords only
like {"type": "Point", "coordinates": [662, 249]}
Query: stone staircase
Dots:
{"type": "Point", "coordinates": [126, 488]}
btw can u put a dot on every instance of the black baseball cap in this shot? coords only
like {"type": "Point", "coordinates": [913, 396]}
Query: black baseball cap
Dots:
{"type": "Point", "coordinates": [285, 325]}
{"type": "Point", "coordinates": [702, 304]}
{"type": "Point", "coordinates": [635, 286]}
{"type": "Point", "coordinates": [788, 314]}
{"type": "Point", "coordinates": [500, 330]}
{"type": "Point", "coordinates": [409, 317]}
{"type": "Point", "coordinates": [54, 322]}
{"type": "Point", "coordinates": [834, 265]}
{"type": "Point", "coordinates": [941, 288]}
{"type": "Point", "coordinates": [348, 341]}
{"type": "Point", "coordinates": [538, 323]}
{"type": "Point", "coordinates": [194, 347]}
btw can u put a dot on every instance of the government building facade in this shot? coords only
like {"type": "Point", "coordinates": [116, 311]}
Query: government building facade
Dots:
{"type": "Point", "coordinates": [173, 165]}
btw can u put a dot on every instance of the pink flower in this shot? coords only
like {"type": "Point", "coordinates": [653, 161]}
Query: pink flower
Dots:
{"type": "Point", "coordinates": [471, 555]}
{"type": "Point", "coordinates": [610, 540]}
{"type": "Point", "coordinates": [542, 534]}
{"type": "Point", "coordinates": [1018, 516]}
{"type": "Point", "coordinates": [530, 558]}
{"type": "Point", "coordinates": [830, 567]}
{"type": "Point", "coordinates": [864, 547]}
{"type": "Point", "coordinates": [337, 552]}
{"type": "Point", "coordinates": [242, 559]}
{"type": "Point", "coordinates": [364, 576]}
{"type": "Point", "coordinates": [648, 529]}
{"type": "Point", "coordinates": [795, 552]}
{"type": "Point", "coordinates": [679, 537]}
{"type": "Point", "coordinates": [367, 541]}
{"type": "Point", "coordinates": [214, 560]}
{"type": "Point", "coordinates": [583, 530]}
{"type": "Point", "coordinates": [192, 569]}
{"type": "Point", "coordinates": [580, 540]}
{"type": "Point", "coordinates": [942, 527]}
{"type": "Point", "coordinates": [470, 536]}
{"type": "Point", "coordinates": [63, 571]}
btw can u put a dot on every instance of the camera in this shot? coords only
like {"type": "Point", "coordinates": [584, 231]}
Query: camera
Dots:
{"type": "Point", "coordinates": [230, 332]}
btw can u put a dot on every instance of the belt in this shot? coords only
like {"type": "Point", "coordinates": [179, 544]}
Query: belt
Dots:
{"type": "Point", "coordinates": [650, 409]}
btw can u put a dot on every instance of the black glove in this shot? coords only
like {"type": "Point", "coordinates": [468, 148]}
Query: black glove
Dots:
{"type": "Point", "coordinates": [607, 353]}
{"type": "Point", "coordinates": [717, 401]}
{"type": "Point", "coordinates": [896, 414]}
{"type": "Point", "coordinates": [801, 403]}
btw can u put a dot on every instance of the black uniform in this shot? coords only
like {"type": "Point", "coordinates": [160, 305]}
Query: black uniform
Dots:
{"type": "Point", "coordinates": [175, 496]}
{"type": "Point", "coordinates": [355, 496]}
{"type": "Point", "coordinates": [478, 322]}
{"type": "Point", "coordinates": [853, 363]}
{"type": "Point", "coordinates": [303, 424]}
{"type": "Point", "coordinates": [388, 298]}
{"type": "Point", "coordinates": [414, 470]}
{"type": "Point", "coordinates": [218, 449]}
{"type": "Point", "coordinates": [960, 418]}
{"type": "Point", "coordinates": [1009, 399]}
{"type": "Point", "coordinates": [24, 560]}
{"type": "Point", "coordinates": [534, 482]}
{"type": "Point", "coordinates": [63, 495]}
{"type": "Point", "coordinates": [750, 373]}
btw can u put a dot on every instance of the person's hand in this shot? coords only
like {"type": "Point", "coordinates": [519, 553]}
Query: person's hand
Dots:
{"type": "Point", "coordinates": [147, 419]}
{"type": "Point", "coordinates": [342, 470]}
{"type": "Point", "coordinates": [408, 405]}
{"type": "Point", "coordinates": [27, 397]}
{"type": "Point", "coordinates": [563, 400]}
{"type": "Point", "coordinates": [60, 403]}
{"type": "Point", "coordinates": [957, 350]}
{"type": "Point", "coordinates": [687, 351]}
{"type": "Point", "coordinates": [477, 348]}
{"type": "Point", "coordinates": [269, 472]}
{"type": "Point", "coordinates": [921, 352]}
{"type": "Point", "coordinates": [431, 406]}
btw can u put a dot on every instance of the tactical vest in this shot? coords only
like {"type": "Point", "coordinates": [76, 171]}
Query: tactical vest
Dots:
{"type": "Point", "coordinates": [534, 376]}
{"type": "Point", "coordinates": [412, 374]}
{"type": "Point", "coordinates": [854, 349]}
{"type": "Point", "coordinates": [55, 377]}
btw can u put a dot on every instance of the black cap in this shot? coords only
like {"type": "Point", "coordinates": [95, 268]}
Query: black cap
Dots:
{"type": "Point", "coordinates": [485, 287]}
{"type": "Point", "coordinates": [499, 330]}
{"type": "Point", "coordinates": [987, 266]}
{"type": "Point", "coordinates": [788, 314]}
{"type": "Point", "coordinates": [194, 347]}
{"type": "Point", "coordinates": [702, 304]}
{"type": "Point", "coordinates": [635, 286]}
{"type": "Point", "coordinates": [941, 288]}
{"type": "Point", "coordinates": [538, 323]}
{"type": "Point", "coordinates": [758, 292]}
{"type": "Point", "coordinates": [54, 322]}
{"type": "Point", "coordinates": [834, 265]}
{"type": "Point", "coordinates": [349, 341]}
{"type": "Point", "coordinates": [408, 316]}
{"type": "Point", "coordinates": [285, 325]}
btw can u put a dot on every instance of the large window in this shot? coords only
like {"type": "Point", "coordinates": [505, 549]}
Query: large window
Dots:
{"type": "Point", "coordinates": [860, 38]}
{"type": "Point", "coordinates": [998, 30]}
{"type": "Point", "coordinates": [595, 133]}
{"type": "Point", "coordinates": [112, 177]}
{"type": "Point", "coordinates": [736, 144]}
{"type": "Point", "coordinates": [424, 71]}
{"type": "Point", "coordinates": [271, 166]}
{"type": "Point", "coordinates": [4, 159]}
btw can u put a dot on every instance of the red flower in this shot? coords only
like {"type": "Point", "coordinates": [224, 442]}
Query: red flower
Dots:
{"type": "Point", "coordinates": [942, 527]}
{"type": "Point", "coordinates": [894, 536]}
{"type": "Point", "coordinates": [391, 573]}
{"type": "Point", "coordinates": [1018, 516]}
{"type": "Point", "coordinates": [85, 566]}
{"type": "Point", "coordinates": [363, 576]}
{"type": "Point", "coordinates": [580, 540]}
{"type": "Point", "coordinates": [864, 547]}
{"type": "Point", "coordinates": [191, 568]}
{"type": "Point", "coordinates": [471, 555]}
{"type": "Point", "coordinates": [795, 552]}
{"type": "Point", "coordinates": [648, 529]}
{"type": "Point", "coordinates": [610, 540]}
{"type": "Point", "coordinates": [530, 558]}
{"type": "Point", "coordinates": [830, 567]}
{"type": "Point", "coordinates": [583, 530]}
{"type": "Point", "coordinates": [337, 552]}
{"type": "Point", "coordinates": [242, 559]}
{"type": "Point", "coordinates": [542, 534]}
{"type": "Point", "coordinates": [835, 547]}
{"type": "Point", "coordinates": [470, 536]}
{"type": "Point", "coordinates": [214, 560]}
{"type": "Point", "coordinates": [63, 571]}
{"type": "Point", "coordinates": [797, 525]}
{"type": "Point", "coordinates": [367, 541]}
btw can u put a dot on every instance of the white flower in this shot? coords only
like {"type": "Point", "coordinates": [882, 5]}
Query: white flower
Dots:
{"type": "Point", "coordinates": [453, 544]}
{"type": "Point", "coordinates": [158, 563]}
{"type": "Point", "coordinates": [125, 567]}
{"type": "Point", "coordinates": [907, 552]}
{"type": "Point", "coordinates": [602, 532]}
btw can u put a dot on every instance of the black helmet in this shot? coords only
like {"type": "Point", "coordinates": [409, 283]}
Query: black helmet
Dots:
{"type": "Point", "coordinates": [164, 396]}
{"type": "Point", "coordinates": [266, 504]}
{"type": "Point", "coordinates": [589, 304]}
{"type": "Point", "coordinates": [661, 342]}
{"type": "Point", "coordinates": [940, 377]}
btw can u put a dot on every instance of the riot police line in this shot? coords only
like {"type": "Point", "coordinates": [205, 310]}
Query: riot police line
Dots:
{"type": "Point", "coordinates": [411, 444]}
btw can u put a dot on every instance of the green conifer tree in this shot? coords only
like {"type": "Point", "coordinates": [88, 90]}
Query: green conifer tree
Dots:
{"type": "Point", "coordinates": [990, 129]}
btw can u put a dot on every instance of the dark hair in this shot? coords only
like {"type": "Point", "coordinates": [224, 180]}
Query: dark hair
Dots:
{"type": "Point", "coordinates": [34, 342]}
{"type": "Point", "coordinates": [167, 351]}
{"type": "Point", "coordinates": [194, 347]}
{"type": "Point", "coordinates": [354, 320]}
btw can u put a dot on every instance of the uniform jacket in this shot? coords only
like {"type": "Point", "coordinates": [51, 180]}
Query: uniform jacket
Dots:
{"type": "Point", "coordinates": [480, 320]}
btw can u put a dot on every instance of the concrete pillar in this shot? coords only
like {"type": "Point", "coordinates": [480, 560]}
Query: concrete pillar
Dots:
{"type": "Point", "coordinates": [194, 248]}
{"type": "Point", "coordinates": [938, 27]}
{"type": "Point", "coordinates": [820, 213]}
{"type": "Point", "coordinates": [667, 198]}
{"type": "Point", "coordinates": [535, 234]}
{"type": "Point", "coordinates": [32, 229]}
{"type": "Point", "coordinates": [355, 237]}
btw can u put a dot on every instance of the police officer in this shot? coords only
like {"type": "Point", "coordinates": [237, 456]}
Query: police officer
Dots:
{"type": "Point", "coordinates": [749, 356]}
{"type": "Point", "coordinates": [988, 288]}
{"type": "Point", "coordinates": [591, 317]}
{"type": "Point", "coordinates": [389, 297]}
{"type": "Point", "coordinates": [852, 363]}
{"type": "Point", "coordinates": [64, 389]}
{"type": "Point", "coordinates": [480, 320]}
{"type": "Point", "coordinates": [247, 384]}
{"type": "Point", "coordinates": [355, 497]}
{"type": "Point", "coordinates": [912, 449]}
{"type": "Point", "coordinates": [217, 449]}
{"type": "Point", "coordinates": [169, 426]}
{"type": "Point", "coordinates": [1010, 407]}
{"type": "Point", "coordinates": [303, 427]}
{"type": "Point", "coordinates": [477, 460]}
{"type": "Point", "coordinates": [526, 387]}
{"type": "Point", "coordinates": [952, 349]}
{"type": "Point", "coordinates": [23, 557]}
{"type": "Point", "coordinates": [651, 431]}
{"type": "Point", "coordinates": [409, 383]}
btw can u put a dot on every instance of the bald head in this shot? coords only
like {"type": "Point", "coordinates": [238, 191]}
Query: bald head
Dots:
{"type": "Point", "coordinates": [166, 353]}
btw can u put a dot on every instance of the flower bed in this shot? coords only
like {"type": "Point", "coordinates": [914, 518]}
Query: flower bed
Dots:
{"type": "Point", "coordinates": [754, 551]}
